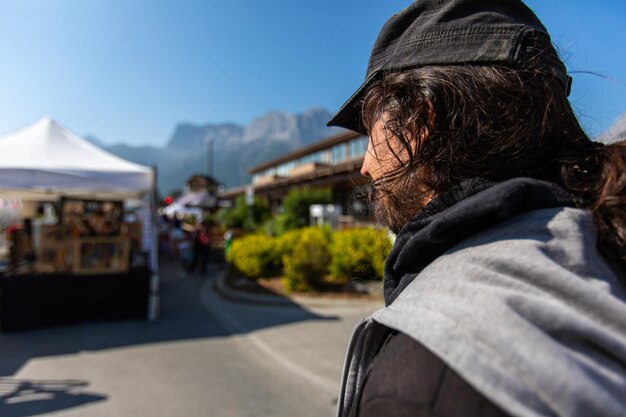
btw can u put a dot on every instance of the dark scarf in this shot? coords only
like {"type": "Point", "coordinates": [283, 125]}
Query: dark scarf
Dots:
{"type": "Point", "coordinates": [457, 214]}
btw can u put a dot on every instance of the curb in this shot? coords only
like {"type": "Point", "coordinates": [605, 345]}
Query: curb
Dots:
{"type": "Point", "coordinates": [295, 300]}
{"type": "Point", "coordinates": [246, 297]}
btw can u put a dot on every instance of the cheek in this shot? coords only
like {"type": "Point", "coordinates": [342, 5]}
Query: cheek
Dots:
{"type": "Point", "coordinates": [385, 153]}
{"type": "Point", "coordinates": [390, 157]}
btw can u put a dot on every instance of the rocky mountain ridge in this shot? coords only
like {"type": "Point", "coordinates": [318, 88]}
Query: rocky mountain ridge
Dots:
{"type": "Point", "coordinates": [227, 149]}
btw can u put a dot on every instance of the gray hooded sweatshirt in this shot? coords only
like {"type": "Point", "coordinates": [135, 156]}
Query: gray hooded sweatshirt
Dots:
{"type": "Point", "coordinates": [526, 311]}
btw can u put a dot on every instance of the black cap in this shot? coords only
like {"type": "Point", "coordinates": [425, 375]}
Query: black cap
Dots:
{"type": "Point", "coordinates": [453, 32]}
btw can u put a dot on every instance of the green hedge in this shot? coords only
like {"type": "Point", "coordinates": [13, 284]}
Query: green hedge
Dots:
{"type": "Point", "coordinates": [359, 253]}
{"type": "Point", "coordinates": [255, 256]}
{"type": "Point", "coordinates": [307, 264]}
{"type": "Point", "coordinates": [308, 256]}
{"type": "Point", "coordinates": [286, 242]}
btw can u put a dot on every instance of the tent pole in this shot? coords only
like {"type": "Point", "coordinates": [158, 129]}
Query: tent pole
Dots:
{"type": "Point", "coordinates": [153, 294]}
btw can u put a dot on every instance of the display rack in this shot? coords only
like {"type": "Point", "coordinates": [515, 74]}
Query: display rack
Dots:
{"type": "Point", "coordinates": [84, 256]}
{"type": "Point", "coordinates": [98, 255]}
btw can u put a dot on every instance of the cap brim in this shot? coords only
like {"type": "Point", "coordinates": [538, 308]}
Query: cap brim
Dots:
{"type": "Point", "coordinates": [349, 115]}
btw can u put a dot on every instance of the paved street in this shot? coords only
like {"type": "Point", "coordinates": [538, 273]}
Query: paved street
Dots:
{"type": "Point", "coordinates": [205, 356]}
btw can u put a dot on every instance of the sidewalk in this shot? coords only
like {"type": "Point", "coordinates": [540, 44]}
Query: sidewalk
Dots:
{"type": "Point", "coordinates": [310, 338]}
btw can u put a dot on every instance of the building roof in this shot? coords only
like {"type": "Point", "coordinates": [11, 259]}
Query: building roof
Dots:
{"type": "Point", "coordinates": [233, 192]}
{"type": "Point", "coordinates": [344, 172]}
{"type": "Point", "coordinates": [207, 178]}
{"type": "Point", "coordinates": [326, 143]}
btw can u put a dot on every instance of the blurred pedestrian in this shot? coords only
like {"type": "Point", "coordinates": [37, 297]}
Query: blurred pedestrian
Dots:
{"type": "Point", "coordinates": [186, 254]}
{"type": "Point", "coordinates": [176, 236]}
{"type": "Point", "coordinates": [201, 249]}
{"type": "Point", "coordinates": [506, 286]}
{"type": "Point", "coordinates": [228, 241]}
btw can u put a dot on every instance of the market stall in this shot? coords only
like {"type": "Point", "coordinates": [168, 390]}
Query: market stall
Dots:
{"type": "Point", "coordinates": [75, 251]}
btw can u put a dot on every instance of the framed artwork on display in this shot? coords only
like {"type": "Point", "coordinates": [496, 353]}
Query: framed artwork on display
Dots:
{"type": "Point", "coordinates": [81, 217]}
{"type": "Point", "coordinates": [94, 255]}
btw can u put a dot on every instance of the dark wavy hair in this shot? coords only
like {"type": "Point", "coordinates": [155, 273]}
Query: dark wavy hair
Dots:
{"type": "Point", "coordinates": [496, 122]}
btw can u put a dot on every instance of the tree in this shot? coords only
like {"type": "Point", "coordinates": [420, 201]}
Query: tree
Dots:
{"type": "Point", "coordinates": [244, 217]}
{"type": "Point", "coordinates": [296, 206]}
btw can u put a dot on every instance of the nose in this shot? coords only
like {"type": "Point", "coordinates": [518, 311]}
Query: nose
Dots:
{"type": "Point", "coordinates": [366, 160]}
{"type": "Point", "coordinates": [364, 170]}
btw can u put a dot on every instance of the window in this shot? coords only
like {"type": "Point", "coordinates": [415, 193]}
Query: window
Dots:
{"type": "Point", "coordinates": [358, 147]}
{"type": "Point", "coordinates": [283, 170]}
{"type": "Point", "coordinates": [266, 173]}
{"type": "Point", "coordinates": [338, 153]}
{"type": "Point", "coordinates": [321, 157]}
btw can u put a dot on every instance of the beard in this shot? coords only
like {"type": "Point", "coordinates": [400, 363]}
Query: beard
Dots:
{"type": "Point", "coordinates": [397, 201]}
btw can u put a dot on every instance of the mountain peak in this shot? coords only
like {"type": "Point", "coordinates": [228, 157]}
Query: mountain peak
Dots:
{"type": "Point", "coordinates": [234, 148]}
{"type": "Point", "coordinates": [273, 125]}
{"type": "Point", "coordinates": [189, 136]}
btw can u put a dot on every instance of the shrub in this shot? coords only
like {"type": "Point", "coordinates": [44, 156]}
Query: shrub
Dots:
{"type": "Point", "coordinates": [296, 207]}
{"type": "Point", "coordinates": [306, 255]}
{"type": "Point", "coordinates": [359, 253]}
{"type": "Point", "coordinates": [285, 243]}
{"type": "Point", "coordinates": [242, 216]}
{"type": "Point", "coordinates": [255, 256]}
{"type": "Point", "coordinates": [307, 264]}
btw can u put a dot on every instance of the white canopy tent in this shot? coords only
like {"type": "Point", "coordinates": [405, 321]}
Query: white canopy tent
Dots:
{"type": "Point", "coordinates": [45, 160]}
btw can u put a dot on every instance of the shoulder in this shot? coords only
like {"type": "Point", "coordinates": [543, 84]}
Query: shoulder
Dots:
{"type": "Point", "coordinates": [538, 280]}
{"type": "Point", "coordinates": [406, 378]}
{"type": "Point", "coordinates": [559, 241]}
{"type": "Point", "coordinates": [560, 225]}
{"type": "Point", "coordinates": [548, 253]}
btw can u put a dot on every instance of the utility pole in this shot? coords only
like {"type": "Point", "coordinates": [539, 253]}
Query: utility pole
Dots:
{"type": "Point", "coordinates": [209, 143]}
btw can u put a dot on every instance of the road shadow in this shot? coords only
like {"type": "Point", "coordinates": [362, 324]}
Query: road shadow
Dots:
{"type": "Point", "coordinates": [183, 316]}
{"type": "Point", "coordinates": [22, 397]}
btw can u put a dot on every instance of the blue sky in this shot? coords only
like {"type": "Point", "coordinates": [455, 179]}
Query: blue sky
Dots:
{"type": "Point", "coordinates": [129, 70]}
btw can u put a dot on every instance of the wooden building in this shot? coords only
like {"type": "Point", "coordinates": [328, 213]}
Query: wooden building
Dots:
{"type": "Point", "coordinates": [334, 162]}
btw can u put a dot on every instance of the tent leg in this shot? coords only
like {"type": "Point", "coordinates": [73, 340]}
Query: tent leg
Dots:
{"type": "Point", "coordinates": [153, 299]}
{"type": "Point", "coordinates": [153, 295]}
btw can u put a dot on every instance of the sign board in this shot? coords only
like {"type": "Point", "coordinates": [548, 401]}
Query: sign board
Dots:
{"type": "Point", "coordinates": [321, 214]}
{"type": "Point", "coordinates": [250, 195]}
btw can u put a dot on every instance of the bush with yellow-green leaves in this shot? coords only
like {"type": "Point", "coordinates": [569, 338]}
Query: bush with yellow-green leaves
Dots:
{"type": "Point", "coordinates": [255, 256]}
{"type": "Point", "coordinates": [307, 264]}
{"type": "Point", "coordinates": [359, 254]}
{"type": "Point", "coordinates": [286, 242]}
{"type": "Point", "coordinates": [309, 256]}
